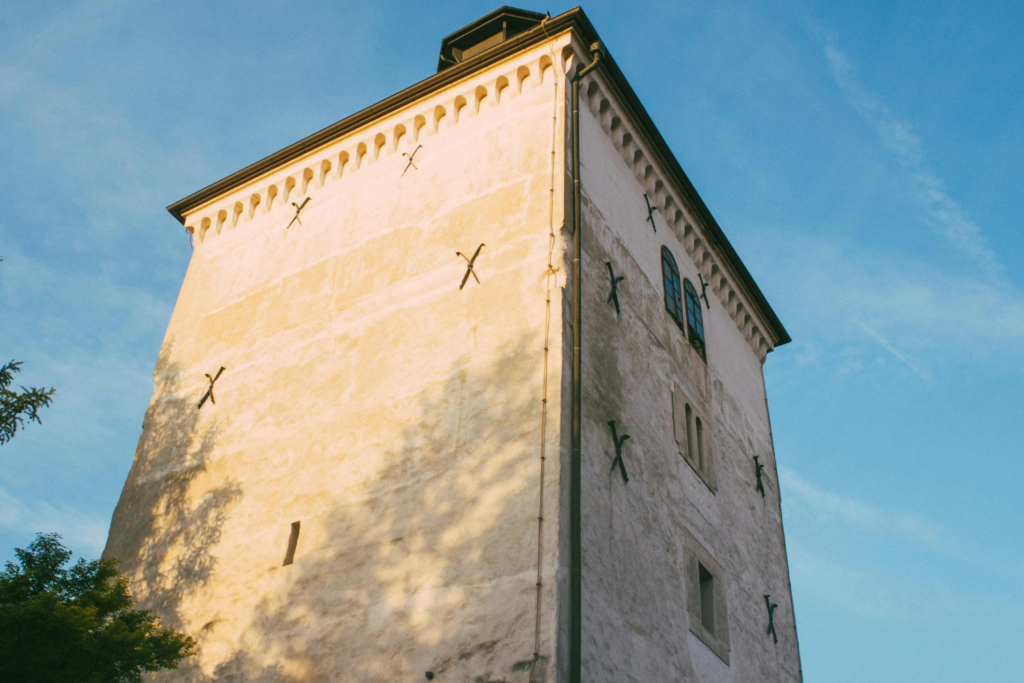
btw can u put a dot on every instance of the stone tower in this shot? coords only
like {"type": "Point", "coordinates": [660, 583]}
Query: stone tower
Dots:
{"type": "Point", "coordinates": [358, 465]}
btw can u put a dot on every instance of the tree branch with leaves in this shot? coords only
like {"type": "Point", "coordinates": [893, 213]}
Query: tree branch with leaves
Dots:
{"type": "Point", "coordinates": [17, 408]}
{"type": "Point", "coordinates": [77, 624]}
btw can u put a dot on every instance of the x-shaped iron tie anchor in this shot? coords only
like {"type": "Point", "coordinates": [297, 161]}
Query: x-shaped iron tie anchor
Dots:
{"type": "Point", "coordinates": [650, 212]}
{"type": "Point", "coordinates": [758, 468]}
{"type": "Point", "coordinates": [618, 452]}
{"type": "Point", "coordinates": [298, 210]}
{"type": "Point", "coordinates": [209, 392]}
{"type": "Point", "coordinates": [771, 618]}
{"type": "Point", "coordinates": [410, 158]}
{"type": "Point", "coordinates": [704, 290]}
{"type": "Point", "coordinates": [613, 296]}
{"type": "Point", "coordinates": [469, 266]}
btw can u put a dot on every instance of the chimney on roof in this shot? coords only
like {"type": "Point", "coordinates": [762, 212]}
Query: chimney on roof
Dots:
{"type": "Point", "coordinates": [484, 33]}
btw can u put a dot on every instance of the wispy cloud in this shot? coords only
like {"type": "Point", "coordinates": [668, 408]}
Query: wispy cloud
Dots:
{"type": "Point", "coordinates": [869, 592]}
{"type": "Point", "coordinates": [826, 506]}
{"type": "Point", "coordinates": [915, 366]}
{"type": "Point", "coordinates": [921, 315]}
{"type": "Point", "coordinates": [84, 532]}
{"type": "Point", "coordinates": [943, 212]}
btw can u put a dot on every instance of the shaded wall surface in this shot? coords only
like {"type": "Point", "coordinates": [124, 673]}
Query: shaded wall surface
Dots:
{"type": "Point", "coordinates": [638, 621]}
{"type": "Point", "coordinates": [394, 416]}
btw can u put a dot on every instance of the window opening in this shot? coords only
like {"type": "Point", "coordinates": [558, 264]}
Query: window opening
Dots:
{"type": "Point", "coordinates": [700, 444]}
{"type": "Point", "coordinates": [691, 447]}
{"type": "Point", "coordinates": [758, 468]}
{"type": "Point", "coordinates": [673, 297]}
{"type": "Point", "coordinates": [707, 598]}
{"type": "Point", "coordinates": [694, 319]}
{"type": "Point", "coordinates": [293, 542]}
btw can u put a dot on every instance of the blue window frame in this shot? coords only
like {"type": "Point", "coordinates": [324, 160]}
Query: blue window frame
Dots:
{"type": "Point", "coordinates": [673, 293]}
{"type": "Point", "coordinates": [695, 322]}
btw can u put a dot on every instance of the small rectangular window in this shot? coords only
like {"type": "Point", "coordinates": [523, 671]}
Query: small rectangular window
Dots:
{"type": "Point", "coordinates": [293, 542]}
{"type": "Point", "coordinates": [707, 598]}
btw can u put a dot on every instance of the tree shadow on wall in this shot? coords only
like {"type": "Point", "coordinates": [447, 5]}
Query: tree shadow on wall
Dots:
{"type": "Point", "coordinates": [428, 562]}
{"type": "Point", "coordinates": [162, 533]}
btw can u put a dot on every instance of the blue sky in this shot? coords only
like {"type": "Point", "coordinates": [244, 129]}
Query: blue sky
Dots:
{"type": "Point", "coordinates": [866, 160]}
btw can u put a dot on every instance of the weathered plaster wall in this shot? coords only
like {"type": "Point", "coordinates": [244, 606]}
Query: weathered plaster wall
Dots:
{"type": "Point", "coordinates": [636, 623]}
{"type": "Point", "coordinates": [395, 416]}
{"type": "Point", "coordinates": [398, 418]}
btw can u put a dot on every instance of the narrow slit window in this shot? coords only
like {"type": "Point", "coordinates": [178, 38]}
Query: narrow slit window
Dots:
{"type": "Point", "coordinates": [707, 598]}
{"type": "Point", "coordinates": [691, 446]}
{"type": "Point", "coordinates": [673, 295]}
{"type": "Point", "coordinates": [293, 542]}
{"type": "Point", "coordinates": [700, 445]}
{"type": "Point", "coordinates": [695, 322]}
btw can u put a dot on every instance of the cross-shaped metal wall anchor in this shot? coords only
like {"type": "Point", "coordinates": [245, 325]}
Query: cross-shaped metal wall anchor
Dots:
{"type": "Point", "coordinates": [771, 618]}
{"type": "Point", "coordinates": [469, 266]}
{"type": "Point", "coordinates": [209, 392]}
{"type": "Point", "coordinates": [704, 290]}
{"type": "Point", "coordinates": [298, 210]}
{"type": "Point", "coordinates": [613, 296]}
{"type": "Point", "coordinates": [758, 467]}
{"type": "Point", "coordinates": [618, 452]}
{"type": "Point", "coordinates": [650, 212]}
{"type": "Point", "coordinates": [410, 157]}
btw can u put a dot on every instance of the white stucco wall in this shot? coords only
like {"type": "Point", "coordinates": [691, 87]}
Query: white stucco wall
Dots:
{"type": "Point", "coordinates": [399, 418]}
{"type": "Point", "coordinates": [636, 622]}
{"type": "Point", "coordinates": [367, 397]}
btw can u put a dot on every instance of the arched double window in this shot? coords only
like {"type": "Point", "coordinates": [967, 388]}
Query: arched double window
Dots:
{"type": "Point", "coordinates": [673, 293]}
{"type": "Point", "coordinates": [695, 440]}
{"type": "Point", "coordinates": [692, 437]}
{"type": "Point", "coordinates": [694, 321]}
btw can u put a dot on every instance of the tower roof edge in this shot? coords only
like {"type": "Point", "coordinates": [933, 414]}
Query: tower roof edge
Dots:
{"type": "Point", "coordinates": [521, 38]}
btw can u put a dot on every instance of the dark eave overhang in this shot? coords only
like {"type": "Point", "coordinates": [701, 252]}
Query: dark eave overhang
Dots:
{"type": "Point", "coordinates": [509, 20]}
{"type": "Point", "coordinates": [574, 19]}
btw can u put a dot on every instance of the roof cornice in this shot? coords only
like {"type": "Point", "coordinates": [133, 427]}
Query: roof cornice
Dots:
{"type": "Point", "coordinates": [574, 19]}
{"type": "Point", "coordinates": [656, 143]}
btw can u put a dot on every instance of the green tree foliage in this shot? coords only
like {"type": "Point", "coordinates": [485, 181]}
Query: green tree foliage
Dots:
{"type": "Point", "coordinates": [77, 625]}
{"type": "Point", "coordinates": [16, 407]}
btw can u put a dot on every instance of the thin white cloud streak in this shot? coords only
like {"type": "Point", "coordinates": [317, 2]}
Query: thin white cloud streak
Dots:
{"type": "Point", "coordinates": [924, 316]}
{"type": "Point", "coordinates": [877, 594]}
{"type": "Point", "coordinates": [943, 212]}
{"type": "Point", "coordinates": [825, 506]}
{"type": "Point", "coordinates": [70, 21]}
{"type": "Point", "coordinates": [915, 366]}
{"type": "Point", "coordinates": [908, 596]}
{"type": "Point", "coordinates": [86, 533]}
